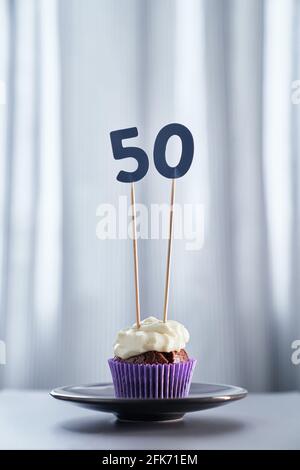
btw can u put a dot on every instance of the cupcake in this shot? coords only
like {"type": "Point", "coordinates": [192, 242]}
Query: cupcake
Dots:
{"type": "Point", "coordinates": [151, 361]}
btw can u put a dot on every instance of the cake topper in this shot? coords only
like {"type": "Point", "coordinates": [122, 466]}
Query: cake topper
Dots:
{"type": "Point", "coordinates": [171, 224]}
{"type": "Point", "coordinates": [162, 166]}
{"type": "Point", "coordinates": [136, 259]}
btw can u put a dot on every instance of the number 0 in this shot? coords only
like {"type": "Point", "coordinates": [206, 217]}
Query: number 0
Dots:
{"type": "Point", "coordinates": [187, 152]}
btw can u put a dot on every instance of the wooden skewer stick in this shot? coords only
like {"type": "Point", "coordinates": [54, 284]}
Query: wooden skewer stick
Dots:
{"type": "Point", "coordinates": [136, 261]}
{"type": "Point", "coordinates": [167, 285]}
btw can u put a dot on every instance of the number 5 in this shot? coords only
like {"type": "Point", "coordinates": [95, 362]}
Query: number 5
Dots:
{"type": "Point", "coordinates": [120, 152]}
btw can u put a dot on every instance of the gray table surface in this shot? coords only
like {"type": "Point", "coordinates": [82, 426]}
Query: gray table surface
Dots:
{"type": "Point", "coordinates": [34, 420]}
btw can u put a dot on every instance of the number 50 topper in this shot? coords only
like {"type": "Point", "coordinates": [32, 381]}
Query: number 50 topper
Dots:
{"type": "Point", "coordinates": [159, 155]}
{"type": "Point", "coordinates": [159, 152]}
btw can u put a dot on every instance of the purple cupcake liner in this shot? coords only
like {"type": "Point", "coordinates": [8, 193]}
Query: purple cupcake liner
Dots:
{"type": "Point", "coordinates": [151, 380]}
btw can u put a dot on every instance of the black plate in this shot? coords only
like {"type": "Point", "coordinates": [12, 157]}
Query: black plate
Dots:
{"type": "Point", "coordinates": [101, 397]}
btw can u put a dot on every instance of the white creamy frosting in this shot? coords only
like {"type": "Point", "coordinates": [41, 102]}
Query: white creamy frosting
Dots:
{"type": "Point", "coordinates": [152, 335]}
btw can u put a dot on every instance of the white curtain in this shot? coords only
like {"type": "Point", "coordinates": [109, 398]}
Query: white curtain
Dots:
{"type": "Point", "coordinates": [75, 70]}
{"type": "Point", "coordinates": [31, 194]}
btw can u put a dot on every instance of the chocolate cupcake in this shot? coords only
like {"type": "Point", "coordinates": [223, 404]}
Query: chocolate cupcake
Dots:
{"type": "Point", "coordinates": [151, 361]}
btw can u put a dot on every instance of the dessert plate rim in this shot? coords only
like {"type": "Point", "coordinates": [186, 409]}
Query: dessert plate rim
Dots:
{"type": "Point", "coordinates": [230, 393]}
{"type": "Point", "coordinates": [150, 409]}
